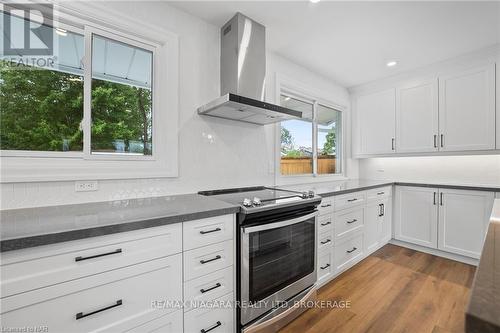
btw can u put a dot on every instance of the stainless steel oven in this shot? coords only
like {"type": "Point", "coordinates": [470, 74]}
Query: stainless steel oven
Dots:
{"type": "Point", "coordinates": [278, 261]}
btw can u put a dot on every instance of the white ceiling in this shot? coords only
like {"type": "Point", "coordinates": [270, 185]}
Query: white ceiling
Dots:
{"type": "Point", "coordinates": [350, 42]}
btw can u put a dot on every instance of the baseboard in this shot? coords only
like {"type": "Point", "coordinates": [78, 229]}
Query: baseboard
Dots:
{"type": "Point", "coordinates": [439, 253]}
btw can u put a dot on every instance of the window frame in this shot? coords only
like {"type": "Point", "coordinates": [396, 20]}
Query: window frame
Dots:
{"type": "Point", "coordinates": [28, 166]}
{"type": "Point", "coordinates": [288, 87]}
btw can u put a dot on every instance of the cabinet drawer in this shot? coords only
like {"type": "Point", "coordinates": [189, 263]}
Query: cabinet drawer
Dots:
{"type": "Point", "coordinates": [348, 251]}
{"type": "Point", "coordinates": [208, 287]}
{"type": "Point", "coordinates": [71, 263]}
{"type": "Point", "coordinates": [325, 241]}
{"type": "Point", "coordinates": [217, 319]}
{"type": "Point", "coordinates": [325, 265]}
{"type": "Point", "coordinates": [171, 323]}
{"type": "Point", "coordinates": [349, 200]}
{"type": "Point", "coordinates": [207, 231]}
{"type": "Point", "coordinates": [326, 206]}
{"type": "Point", "coordinates": [325, 223]}
{"type": "Point", "coordinates": [207, 259]}
{"type": "Point", "coordinates": [379, 193]}
{"type": "Point", "coordinates": [348, 221]}
{"type": "Point", "coordinates": [114, 306]}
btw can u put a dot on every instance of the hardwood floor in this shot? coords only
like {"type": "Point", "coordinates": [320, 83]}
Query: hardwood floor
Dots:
{"type": "Point", "coordinates": [393, 290]}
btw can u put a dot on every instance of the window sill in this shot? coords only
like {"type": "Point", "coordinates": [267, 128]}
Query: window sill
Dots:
{"type": "Point", "coordinates": [301, 179]}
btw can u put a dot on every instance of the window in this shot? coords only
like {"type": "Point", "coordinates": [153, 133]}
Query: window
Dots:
{"type": "Point", "coordinates": [303, 152]}
{"type": "Point", "coordinates": [44, 106]}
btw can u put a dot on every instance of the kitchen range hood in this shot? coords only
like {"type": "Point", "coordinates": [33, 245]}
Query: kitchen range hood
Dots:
{"type": "Point", "coordinates": [243, 72]}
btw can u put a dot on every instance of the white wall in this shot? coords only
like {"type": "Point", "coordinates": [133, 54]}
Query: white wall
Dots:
{"type": "Point", "coordinates": [468, 169]}
{"type": "Point", "coordinates": [213, 153]}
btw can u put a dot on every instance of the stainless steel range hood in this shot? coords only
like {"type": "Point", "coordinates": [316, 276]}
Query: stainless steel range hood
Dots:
{"type": "Point", "coordinates": [243, 72]}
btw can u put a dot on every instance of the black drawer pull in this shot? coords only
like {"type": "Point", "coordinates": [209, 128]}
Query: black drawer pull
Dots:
{"type": "Point", "coordinates": [209, 260]}
{"type": "Point", "coordinates": [351, 251]}
{"type": "Point", "coordinates": [327, 223]}
{"type": "Point", "coordinates": [327, 205]}
{"type": "Point", "coordinates": [352, 221]}
{"type": "Point", "coordinates": [351, 200]}
{"type": "Point", "coordinates": [380, 193]}
{"type": "Point", "coordinates": [326, 242]}
{"type": "Point", "coordinates": [325, 267]}
{"type": "Point", "coordinates": [209, 231]}
{"type": "Point", "coordinates": [80, 315]}
{"type": "Point", "coordinates": [211, 328]}
{"type": "Point", "coordinates": [99, 255]}
{"type": "Point", "coordinates": [211, 288]}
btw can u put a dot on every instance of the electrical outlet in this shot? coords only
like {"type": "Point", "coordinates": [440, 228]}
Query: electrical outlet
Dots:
{"type": "Point", "coordinates": [86, 186]}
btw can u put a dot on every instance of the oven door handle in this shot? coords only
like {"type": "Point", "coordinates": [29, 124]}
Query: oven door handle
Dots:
{"type": "Point", "coordinates": [248, 230]}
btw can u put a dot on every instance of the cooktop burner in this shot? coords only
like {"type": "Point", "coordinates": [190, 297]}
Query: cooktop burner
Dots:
{"type": "Point", "coordinates": [260, 197]}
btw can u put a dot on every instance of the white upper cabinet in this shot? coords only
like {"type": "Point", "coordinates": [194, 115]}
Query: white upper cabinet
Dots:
{"type": "Point", "coordinates": [417, 117]}
{"type": "Point", "coordinates": [467, 110]}
{"type": "Point", "coordinates": [416, 215]}
{"type": "Point", "coordinates": [375, 123]}
{"type": "Point", "coordinates": [463, 220]}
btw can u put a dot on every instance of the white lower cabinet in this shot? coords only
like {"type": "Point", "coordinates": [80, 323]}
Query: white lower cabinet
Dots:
{"type": "Point", "coordinates": [325, 266]}
{"type": "Point", "coordinates": [359, 224]}
{"type": "Point", "coordinates": [415, 215]}
{"type": "Point", "coordinates": [129, 282]}
{"type": "Point", "coordinates": [450, 220]}
{"type": "Point", "coordinates": [217, 318]}
{"type": "Point", "coordinates": [112, 307]}
{"type": "Point", "coordinates": [348, 251]}
{"type": "Point", "coordinates": [463, 221]}
{"type": "Point", "coordinates": [171, 323]}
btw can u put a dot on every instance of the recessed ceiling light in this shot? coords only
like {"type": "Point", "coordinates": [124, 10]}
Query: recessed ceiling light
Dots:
{"type": "Point", "coordinates": [315, 1]}
{"type": "Point", "coordinates": [287, 98]}
{"type": "Point", "coordinates": [392, 63]}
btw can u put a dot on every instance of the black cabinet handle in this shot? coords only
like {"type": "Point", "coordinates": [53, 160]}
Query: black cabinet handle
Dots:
{"type": "Point", "coordinates": [99, 255]}
{"type": "Point", "coordinates": [380, 193]}
{"type": "Point", "coordinates": [351, 251]}
{"type": "Point", "coordinates": [327, 223]}
{"type": "Point", "coordinates": [351, 221]}
{"type": "Point", "coordinates": [442, 140]}
{"type": "Point", "coordinates": [210, 231]}
{"type": "Point", "coordinates": [209, 260]}
{"type": "Point", "coordinates": [217, 285]}
{"type": "Point", "coordinates": [381, 210]}
{"type": "Point", "coordinates": [81, 315]}
{"type": "Point", "coordinates": [435, 141]}
{"type": "Point", "coordinates": [325, 267]}
{"type": "Point", "coordinates": [326, 242]}
{"type": "Point", "coordinates": [434, 199]}
{"type": "Point", "coordinates": [327, 205]}
{"type": "Point", "coordinates": [392, 143]}
{"type": "Point", "coordinates": [441, 198]}
{"type": "Point", "coordinates": [217, 324]}
{"type": "Point", "coordinates": [351, 200]}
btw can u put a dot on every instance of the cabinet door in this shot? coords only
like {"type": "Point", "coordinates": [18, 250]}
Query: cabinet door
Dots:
{"type": "Point", "coordinates": [373, 226]}
{"type": "Point", "coordinates": [463, 220]}
{"type": "Point", "coordinates": [416, 215]}
{"type": "Point", "coordinates": [375, 123]}
{"type": "Point", "coordinates": [467, 110]}
{"type": "Point", "coordinates": [417, 117]}
{"type": "Point", "coordinates": [386, 221]}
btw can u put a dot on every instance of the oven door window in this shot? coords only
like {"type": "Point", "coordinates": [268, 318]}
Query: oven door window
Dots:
{"type": "Point", "coordinates": [279, 257]}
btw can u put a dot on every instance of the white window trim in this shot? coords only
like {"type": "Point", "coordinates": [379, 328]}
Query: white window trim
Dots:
{"type": "Point", "coordinates": [287, 85]}
{"type": "Point", "coordinates": [27, 166]}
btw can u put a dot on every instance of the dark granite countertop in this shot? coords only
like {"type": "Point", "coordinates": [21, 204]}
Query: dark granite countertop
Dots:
{"type": "Point", "coordinates": [23, 228]}
{"type": "Point", "coordinates": [328, 189]}
{"type": "Point", "coordinates": [483, 312]}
